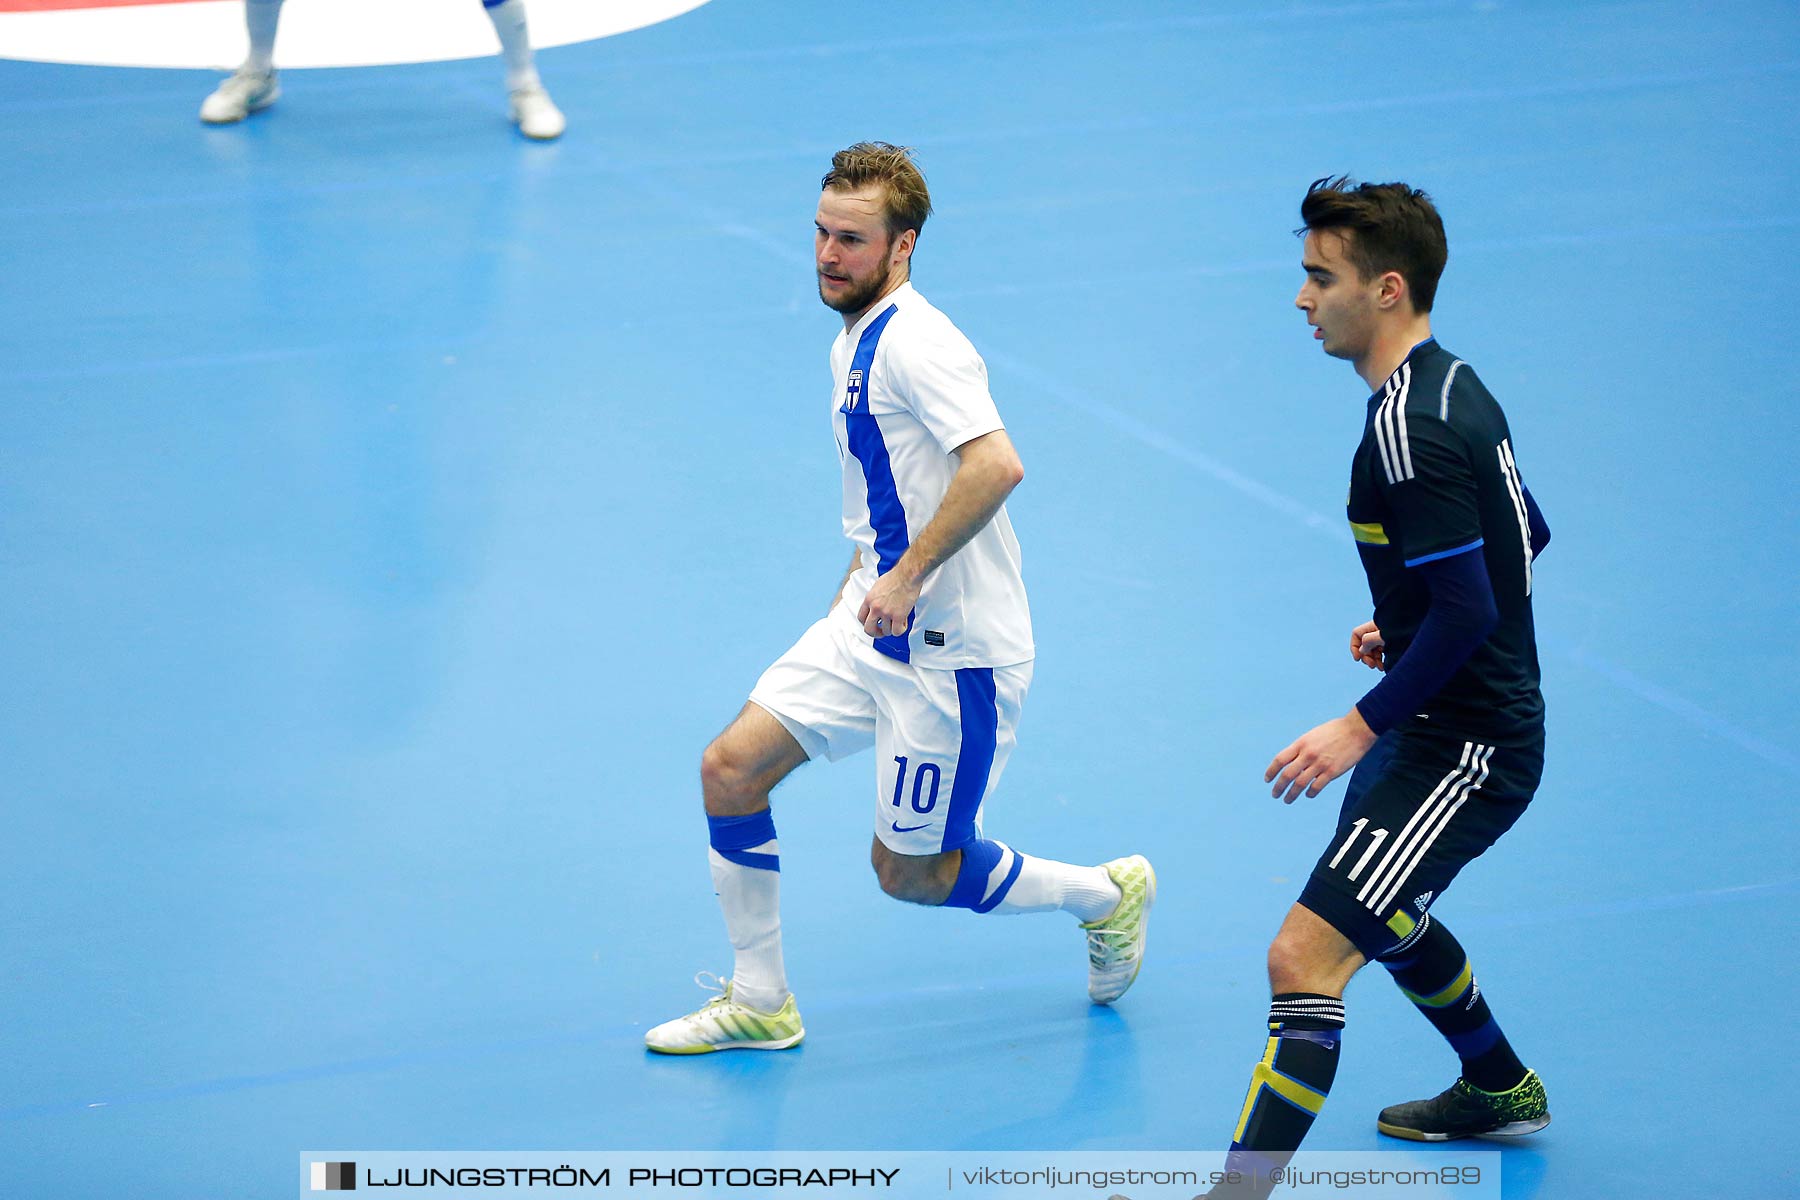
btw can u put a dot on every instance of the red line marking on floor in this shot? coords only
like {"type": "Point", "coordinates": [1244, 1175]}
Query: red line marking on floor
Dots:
{"type": "Point", "coordinates": [15, 6]}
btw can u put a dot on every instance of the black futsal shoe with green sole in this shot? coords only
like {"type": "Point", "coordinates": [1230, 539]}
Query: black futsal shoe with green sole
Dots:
{"type": "Point", "coordinates": [1465, 1111]}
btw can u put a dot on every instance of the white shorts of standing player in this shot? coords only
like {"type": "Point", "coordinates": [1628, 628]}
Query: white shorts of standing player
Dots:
{"type": "Point", "coordinates": [838, 695]}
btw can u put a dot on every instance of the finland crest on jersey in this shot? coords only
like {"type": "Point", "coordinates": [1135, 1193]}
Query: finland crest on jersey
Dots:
{"type": "Point", "coordinates": [908, 390]}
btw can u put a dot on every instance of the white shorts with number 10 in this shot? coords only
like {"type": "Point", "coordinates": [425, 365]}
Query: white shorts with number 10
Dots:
{"type": "Point", "coordinates": [941, 738]}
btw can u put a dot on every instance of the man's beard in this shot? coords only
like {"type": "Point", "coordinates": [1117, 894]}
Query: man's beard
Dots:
{"type": "Point", "coordinates": [860, 298]}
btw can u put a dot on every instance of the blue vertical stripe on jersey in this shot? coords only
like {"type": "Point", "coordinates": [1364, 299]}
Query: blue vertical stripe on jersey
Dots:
{"type": "Point", "coordinates": [980, 730]}
{"type": "Point", "coordinates": [887, 516]}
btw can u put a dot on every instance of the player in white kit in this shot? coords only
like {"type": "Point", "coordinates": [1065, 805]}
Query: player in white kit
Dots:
{"type": "Point", "coordinates": [925, 654]}
{"type": "Point", "coordinates": [255, 85]}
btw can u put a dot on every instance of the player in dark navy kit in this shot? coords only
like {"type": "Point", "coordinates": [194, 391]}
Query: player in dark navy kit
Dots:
{"type": "Point", "coordinates": [1448, 748]}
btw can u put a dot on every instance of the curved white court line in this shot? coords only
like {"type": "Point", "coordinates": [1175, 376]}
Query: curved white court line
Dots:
{"type": "Point", "coordinates": [314, 33]}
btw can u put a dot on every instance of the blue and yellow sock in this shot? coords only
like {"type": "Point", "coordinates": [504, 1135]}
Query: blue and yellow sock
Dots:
{"type": "Point", "coordinates": [1437, 977]}
{"type": "Point", "coordinates": [1289, 1085]}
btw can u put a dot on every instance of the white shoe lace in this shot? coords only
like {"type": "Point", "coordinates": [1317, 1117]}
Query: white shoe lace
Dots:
{"type": "Point", "coordinates": [717, 984]}
{"type": "Point", "coordinates": [1110, 952]}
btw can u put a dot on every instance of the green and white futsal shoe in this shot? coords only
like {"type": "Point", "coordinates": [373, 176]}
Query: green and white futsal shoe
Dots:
{"type": "Point", "coordinates": [244, 92]}
{"type": "Point", "coordinates": [1116, 943]}
{"type": "Point", "coordinates": [724, 1024]}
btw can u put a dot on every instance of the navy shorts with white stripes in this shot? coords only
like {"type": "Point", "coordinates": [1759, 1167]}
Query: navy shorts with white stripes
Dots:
{"type": "Point", "coordinates": [1421, 805]}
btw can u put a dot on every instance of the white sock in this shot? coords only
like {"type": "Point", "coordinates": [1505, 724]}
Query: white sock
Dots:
{"type": "Point", "coordinates": [1045, 885]}
{"type": "Point", "coordinates": [515, 43]}
{"type": "Point", "coordinates": [261, 17]}
{"type": "Point", "coordinates": [750, 898]}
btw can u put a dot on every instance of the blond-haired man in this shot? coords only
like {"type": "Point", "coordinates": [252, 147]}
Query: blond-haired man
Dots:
{"type": "Point", "coordinates": [926, 652]}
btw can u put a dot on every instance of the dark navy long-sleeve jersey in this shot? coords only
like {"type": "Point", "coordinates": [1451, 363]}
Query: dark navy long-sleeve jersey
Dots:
{"type": "Point", "coordinates": [1434, 479]}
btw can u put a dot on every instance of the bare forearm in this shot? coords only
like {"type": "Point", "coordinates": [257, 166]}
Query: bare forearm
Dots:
{"type": "Point", "coordinates": [986, 473]}
{"type": "Point", "coordinates": [976, 493]}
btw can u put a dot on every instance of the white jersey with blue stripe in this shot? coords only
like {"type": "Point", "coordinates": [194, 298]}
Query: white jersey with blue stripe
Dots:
{"type": "Point", "coordinates": [909, 390]}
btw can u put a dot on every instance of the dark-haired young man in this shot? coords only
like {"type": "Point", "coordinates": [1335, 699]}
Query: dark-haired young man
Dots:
{"type": "Point", "coordinates": [925, 653]}
{"type": "Point", "coordinates": [1449, 746]}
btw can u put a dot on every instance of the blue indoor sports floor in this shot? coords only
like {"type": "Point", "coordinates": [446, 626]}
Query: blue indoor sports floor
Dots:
{"type": "Point", "coordinates": [391, 509]}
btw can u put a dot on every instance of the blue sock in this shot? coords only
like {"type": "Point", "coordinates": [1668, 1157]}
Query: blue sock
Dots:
{"type": "Point", "coordinates": [971, 891]}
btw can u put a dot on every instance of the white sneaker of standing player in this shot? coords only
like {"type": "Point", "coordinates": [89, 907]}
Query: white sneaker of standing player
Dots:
{"type": "Point", "coordinates": [724, 1023]}
{"type": "Point", "coordinates": [1116, 942]}
{"type": "Point", "coordinates": [534, 114]}
{"type": "Point", "coordinates": [245, 91]}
